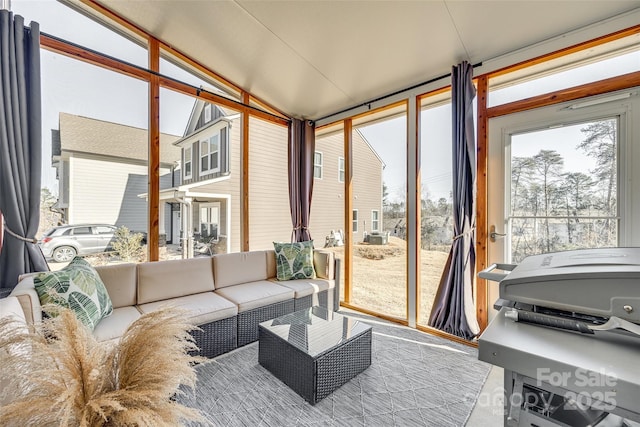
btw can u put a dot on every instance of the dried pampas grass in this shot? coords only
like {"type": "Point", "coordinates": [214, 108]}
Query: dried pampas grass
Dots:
{"type": "Point", "coordinates": [57, 374]}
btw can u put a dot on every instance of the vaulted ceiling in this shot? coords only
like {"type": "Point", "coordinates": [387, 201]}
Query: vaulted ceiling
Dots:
{"type": "Point", "coordinates": [313, 58]}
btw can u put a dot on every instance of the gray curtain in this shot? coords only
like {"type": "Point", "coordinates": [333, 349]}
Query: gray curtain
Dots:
{"type": "Point", "coordinates": [20, 148]}
{"type": "Point", "coordinates": [453, 308]}
{"type": "Point", "coordinates": [302, 142]}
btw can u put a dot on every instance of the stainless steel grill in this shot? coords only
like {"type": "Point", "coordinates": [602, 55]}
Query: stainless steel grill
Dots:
{"type": "Point", "coordinates": [567, 334]}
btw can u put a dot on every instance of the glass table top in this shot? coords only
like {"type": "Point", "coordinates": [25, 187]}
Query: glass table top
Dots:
{"type": "Point", "coordinates": [315, 330]}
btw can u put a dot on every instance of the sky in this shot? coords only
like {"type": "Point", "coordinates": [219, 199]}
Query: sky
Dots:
{"type": "Point", "coordinates": [78, 88]}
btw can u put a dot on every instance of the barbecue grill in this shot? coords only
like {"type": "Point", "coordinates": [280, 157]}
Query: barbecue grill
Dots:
{"type": "Point", "coordinates": [567, 334]}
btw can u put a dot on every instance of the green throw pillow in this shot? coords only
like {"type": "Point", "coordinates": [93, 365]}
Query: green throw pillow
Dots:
{"type": "Point", "coordinates": [77, 287]}
{"type": "Point", "coordinates": [294, 260]}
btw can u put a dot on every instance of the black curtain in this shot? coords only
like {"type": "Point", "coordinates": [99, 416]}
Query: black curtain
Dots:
{"type": "Point", "coordinates": [302, 142]}
{"type": "Point", "coordinates": [453, 308]}
{"type": "Point", "coordinates": [20, 148]}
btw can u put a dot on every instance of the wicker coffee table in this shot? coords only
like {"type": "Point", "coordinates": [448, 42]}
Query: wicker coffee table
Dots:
{"type": "Point", "coordinates": [314, 351]}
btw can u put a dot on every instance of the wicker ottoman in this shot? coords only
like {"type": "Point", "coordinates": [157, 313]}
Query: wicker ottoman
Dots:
{"type": "Point", "coordinates": [314, 351]}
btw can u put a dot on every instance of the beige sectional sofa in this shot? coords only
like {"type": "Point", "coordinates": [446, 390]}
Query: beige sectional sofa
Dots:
{"type": "Point", "coordinates": [227, 295]}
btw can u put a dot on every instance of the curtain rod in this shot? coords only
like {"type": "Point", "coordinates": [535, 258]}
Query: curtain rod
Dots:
{"type": "Point", "coordinates": [198, 89]}
{"type": "Point", "coordinates": [389, 95]}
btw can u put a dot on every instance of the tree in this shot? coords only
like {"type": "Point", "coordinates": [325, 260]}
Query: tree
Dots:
{"type": "Point", "coordinates": [128, 245]}
{"type": "Point", "coordinates": [49, 217]}
{"type": "Point", "coordinates": [548, 164]}
{"type": "Point", "coordinates": [385, 194]}
{"type": "Point", "coordinates": [601, 143]}
{"type": "Point", "coordinates": [577, 191]}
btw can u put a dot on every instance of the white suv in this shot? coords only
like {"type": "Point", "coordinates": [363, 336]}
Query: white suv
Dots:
{"type": "Point", "coordinates": [64, 242]}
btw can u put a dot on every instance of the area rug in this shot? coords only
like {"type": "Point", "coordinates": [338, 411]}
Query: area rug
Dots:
{"type": "Point", "coordinates": [415, 379]}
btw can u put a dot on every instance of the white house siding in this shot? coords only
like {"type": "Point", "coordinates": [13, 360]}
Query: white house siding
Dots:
{"type": "Point", "coordinates": [327, 208]}
{"type": "Point", "coordinates": [367, 185]}
{"type": "Point", "coordinates": [103, 191]}
{"type": "Point", "coordinates": [269, 214]}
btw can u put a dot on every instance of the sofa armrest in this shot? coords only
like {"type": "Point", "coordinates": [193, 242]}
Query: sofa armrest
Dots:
{"type": "Point", "coordinates": [323, 264]}
{"type": "Point", "coordinates": [26, 293]}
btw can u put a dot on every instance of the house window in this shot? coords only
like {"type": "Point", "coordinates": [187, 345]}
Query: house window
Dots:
{"type": "Point", "coordinates": [354, 220]}
{"type": "Point", "coordinates": [207, 113]}
{"type": "Point", "coordinates": [341, 169]}
{"type": "Point", "coordinates": [210, 155]}
{"type": "Point", "coordinates": [187, 162]}
{"type": "Point", "coordinates": [209, 221]}
{"type": "Point", "coordinates": [317, 165]}
{"type": "Point", "coordinates": [375, 220]}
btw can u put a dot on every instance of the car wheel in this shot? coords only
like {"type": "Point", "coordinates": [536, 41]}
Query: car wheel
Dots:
{"type": "Point", "coordinates": [63, 254]}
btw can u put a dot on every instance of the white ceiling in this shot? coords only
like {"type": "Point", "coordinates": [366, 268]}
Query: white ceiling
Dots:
{"type": "Point", "coordinates": [313, 58]}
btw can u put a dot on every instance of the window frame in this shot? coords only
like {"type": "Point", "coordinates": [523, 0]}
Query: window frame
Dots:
{"type": "Point", "coordinates": [354, 220]}
{"type": "Point", "coordinates": [318, 165]}
{"type": "Point", "coordinates": [341, 170]}
{"type": "Point", "coordinates": [187, 161]}
{"type": "Point", "coordinates": [207, 113]}
{"type": "Point", "coordinates": [376, 220]}
{"type": "Point", "coordinates": [208, 155]}
{"type": "Point", "coordinates": [209, 207]}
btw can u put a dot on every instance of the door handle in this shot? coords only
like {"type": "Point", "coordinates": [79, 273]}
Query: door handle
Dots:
{"type": "Point", "coordinates": [493, 234]}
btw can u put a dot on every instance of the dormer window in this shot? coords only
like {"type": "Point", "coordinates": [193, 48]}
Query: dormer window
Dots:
{"type": "Point", "coordinates": [207, 113]}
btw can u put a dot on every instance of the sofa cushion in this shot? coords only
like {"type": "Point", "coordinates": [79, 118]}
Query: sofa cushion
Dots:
{"type": "Point", "coordinates": [163, 280]}
{"type": "Point", "coordinates": [239, 267]}
{"type": "Point", "coordinates": [120, 281]}
{"type": "Point", "coordinates": [77, 287]}
{"type": "Point", "coordinates": [294, 260]}
{"type": "Point", "coordinates": [306, 287]}
{"type": "Point", "coordinates": [248, 296]}
{"type": "Point", "coordinates": [204, 308]}
{"type": "Point", "coordinates": [115, 325]}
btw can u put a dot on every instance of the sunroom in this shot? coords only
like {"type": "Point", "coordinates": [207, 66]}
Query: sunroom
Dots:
{"type": "Point", "coordinates": [362, 95]}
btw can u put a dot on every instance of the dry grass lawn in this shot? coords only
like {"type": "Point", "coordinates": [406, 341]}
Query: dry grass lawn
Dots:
{"type": "Point", "coordinates": [379, 277]}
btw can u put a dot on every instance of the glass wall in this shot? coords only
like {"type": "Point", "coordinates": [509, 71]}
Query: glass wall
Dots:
{"type": "Point", "coordinates": [327, 208]}
{"type": "Point", "coordinates": [269, 213]}
{"type": "Point", "coordinates": [378, 216]}
{"type": "Point", "coordinates": [62, 21]}
{"type": "Point", "coordinates": [599, 63]}
{"type": "Point", "coordinates": [436, 211]}
{"type": "Point", "coordinates": [95, 152]}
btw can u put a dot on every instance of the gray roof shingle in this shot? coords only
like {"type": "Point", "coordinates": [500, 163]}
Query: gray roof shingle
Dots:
{"type": "Point", "coordinates": [86, 135]}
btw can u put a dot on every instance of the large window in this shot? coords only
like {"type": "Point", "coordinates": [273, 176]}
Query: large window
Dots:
{"type": "Point", "coordinates": [95, 144]}
{"type": "Point", "coordinates": [564, 188]}
{"type": "Point", "coordinates": [379, 199]}
{"type": "Point", "coordinates": [269, 214]}
{"type": "Point", "coordinates": [598, 63]}
{"type": "Point", "coordinates": [436, 202]}
{"type": "Point", "coordinates": [65, 22]}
